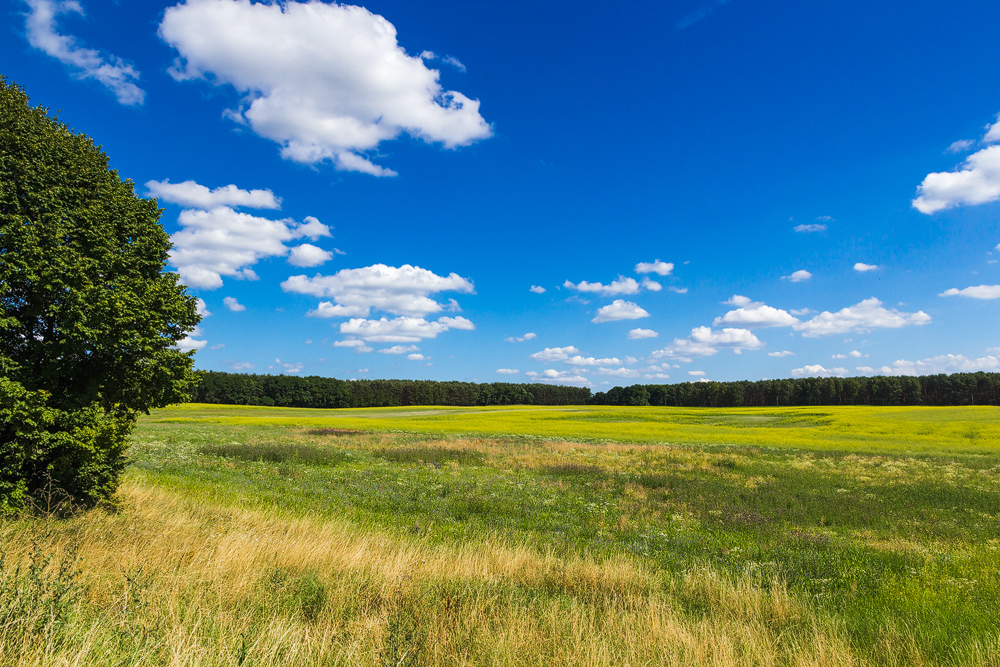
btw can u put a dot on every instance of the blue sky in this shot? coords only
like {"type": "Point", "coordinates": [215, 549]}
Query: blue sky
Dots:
{"type": "Point", "coordinates": [579, 193]}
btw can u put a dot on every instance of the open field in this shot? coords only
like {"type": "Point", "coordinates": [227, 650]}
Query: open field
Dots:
{"type": "Point", "coordinates": [525, 536]}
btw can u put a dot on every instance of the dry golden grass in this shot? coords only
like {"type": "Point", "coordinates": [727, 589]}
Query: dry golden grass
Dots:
{"type": "Point", "coordinates": [167, 581]}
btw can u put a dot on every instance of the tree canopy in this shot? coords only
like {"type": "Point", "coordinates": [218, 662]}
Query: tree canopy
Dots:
{"type": "Point", "coordinates": [89, 316]}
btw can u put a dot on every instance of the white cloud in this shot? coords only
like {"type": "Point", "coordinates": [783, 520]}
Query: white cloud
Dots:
{"type": "Point", "coordinates": [678, 290]}
{"type": "Point", "coordinates": [977, 292]}
{"type": "Point", "coordinates": [704, 342]}
{"type": "Point", "coordinates": [798, 276]}
{"type": "Point", "coordinates": [618, 372]}
{"type": "Point", "coordinates": [853, 354]}
{"type": "Point", "coordinates": [403, 290]}
{"type": "Point", "coordinates": [189, 342]}
{"type": "Point", "coordinates": [309, 255]}
{"type": "Point", "coordinates": [861, 267]}
{"type": "Point", "coordinates": [806, 229]}
{"type": "Point", "coordinates": [636, 334]}
{"type": "Point", "coordinates": [945, 363]}
{"type": "Point", "coordinates": [111, 71]}
{"type": "Point", "coordinates": [783, 353]}
{"type": "Point", "coordinates": [697, 373]}
{"type": "Point", "coordinates": [417, 357]}
{"type": "Point", "coordinates": [521, 339]}
{"type": "Point", "coordinates": [816, 370]}
{"type": "Point", "coordinates": [241, 366]}
{"type": "Point", "coordinates": [864, 316]}
{"type": "Point", "coordinates": [960, 146]}
{"type": "Point", "coordinates": [325, 81]}
{"type": "Point", "coordinates": [754, 314]}
{"type": "Point", "coordinates": [399, 349]}
{"type": "Point", "coordinates": [550, 354]}
{"type": "Point", "coordinates": [508, 371]}
{"type": "Point", "coordinates": [580, 360]}
{"type": "Point", "coordinates": [976, 182]}
{"type": "Point", "coordinates": [537, 289]}
{"type": "Point", "coordinates": [224, 242]}
{"type": "Point", "coordinates": [202, 308]}
{"type": "Point", "coordinates": [619, 309]}
{"type": "Point", "coordinates": [359, 346]}
{"type": "Point", "coordinates": [622, 285]}
{"type": "Point", "coordinates": [657, 267]}
{"type": "Point", "coordinates": [232, 304]}
{"type": "Point", "coordinates": [992, 135]}
{"type": "Point", "coordinates": [190, 194]}
{"type": "Point", "coordinates": [651, 285]}
{"type": "Point", "coordinates": [552, 375]}
{"type": "Point", "coordinates": [402, 329]}
{"type": "Point", "coordinates": [656, 376]}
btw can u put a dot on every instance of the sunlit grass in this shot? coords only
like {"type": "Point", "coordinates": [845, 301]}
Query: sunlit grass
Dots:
{"type": "Point", "coordinates": [264, 536]}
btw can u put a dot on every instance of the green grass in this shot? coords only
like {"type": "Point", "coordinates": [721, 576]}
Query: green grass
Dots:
{"type": "Point", "coordinates": [883, 521]}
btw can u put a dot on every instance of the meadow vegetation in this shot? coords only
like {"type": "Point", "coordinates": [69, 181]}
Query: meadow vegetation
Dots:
{"type": "Point", "coordinates": [525, 536]}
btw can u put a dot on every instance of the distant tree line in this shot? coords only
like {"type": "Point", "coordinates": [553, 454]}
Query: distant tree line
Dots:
{"type": "Point", "coordinates": [322, 392]}
{"type": "Point", "coordinates": [956, 389]}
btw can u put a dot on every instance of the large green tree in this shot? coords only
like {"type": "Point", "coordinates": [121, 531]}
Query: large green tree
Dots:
{"type": "Point", "coordinates": [89, 316]}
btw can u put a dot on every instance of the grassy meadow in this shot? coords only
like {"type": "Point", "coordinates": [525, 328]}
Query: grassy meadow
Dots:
{"type": "Point", "coordinates": [525, 536]}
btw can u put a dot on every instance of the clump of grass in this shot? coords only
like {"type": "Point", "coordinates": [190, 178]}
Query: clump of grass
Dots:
{"type": "Point", "coordinates": [436, 456]}
{"type": "Point", "coordinates": [282, 453]}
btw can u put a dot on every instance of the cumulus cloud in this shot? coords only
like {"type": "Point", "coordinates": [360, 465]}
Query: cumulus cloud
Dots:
{"type": "Point", "coordinates": [552, 375]}
{"type": "Point", "coordinates": [853, 354]}
{"type": "Point", "coordinates": [783, 353]}
{"type": "Point", "coordinates": [678, 290]}
{"type": "Point", "coordinates": [960, 146]}
{"type": "Point", "coordinates": [945, 363]}
{"type": "Point", "coordinates": [202, 308]}
{"type": "Point", "coordinates": [976, 181]}
{"type": "Point", "coordinates": [223, 242]}
{"type": "Point", "coordinates": [636, 334]}
{"type": "Point", "coordinates": [241, 366]}
{"type": "Point", "coordinates": [865, 316]}
{"type": "Point", "coordinates": [402, 329]}
{"type": "Point", "coordinates": [327, 82]}
{"type": "Point", "coordinates": [621, 372]}
{"type": "Point", "coordinates": [307, 254]}
{"type": "Point", "coordinates": [112, 72]}
{"type": "Point", "coordinates": [399, 349]}
{"type": "Point", "coordinates": [417, 357]}
{"type": "Point", "coordinates": [976, 292]}
{"type": "Point", "coordinates": [537, 289]}
{"type": "Point", "coordinates": [619, 309]}
{"type": "Point", "coordinates": [861, 267]}
{"type": "Point", "coordinates": [357, 345]}
{"type": "Point", "coordinates": [551, 354]}
{"type": "Point", "coordinates": [656, 266]}
{"type": "Point", "coordinates": [521, 339]}
{"type": "Point", "coordinates": [622, 285]}
{"type": "Point", "coordinates": [190, 194]}
{"type": "Point", "coordinates": [403, 290]}
{"type": "Point", "coordinates": [704, 342]}
{"type": "Point", "coordinates": [697, 373]}
{"type": "Point", "coordinates": [580, 360]}
{"type": "Point", "coordinates": [807, 229]}
{"type": "Point", "coordinates": [651, 285]}
{"type": "Point", "coordinates": [815, 370]}
{"type": "Point", "coordinates": [754, 314]}
{"type": "Point", "coordinates": [232, 304]}
{"type": "Point", "coordinates": [798, 276]}
{"type": "Point", "coordinates": [508, 371]}
{"type": "Point", "coordinates": [189, 342]}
